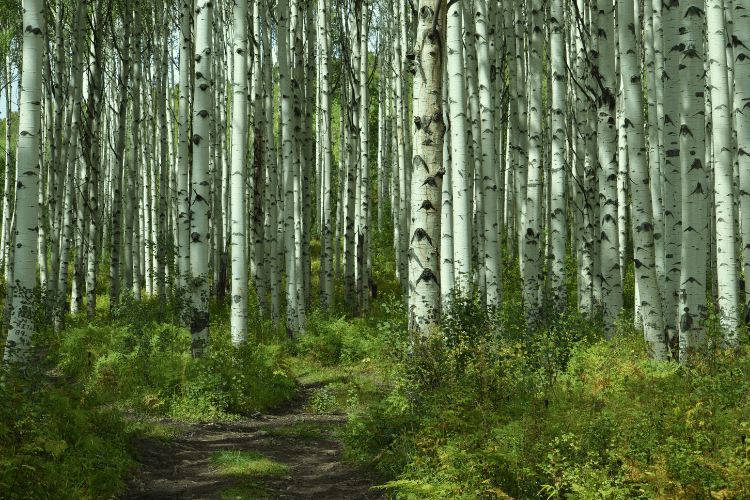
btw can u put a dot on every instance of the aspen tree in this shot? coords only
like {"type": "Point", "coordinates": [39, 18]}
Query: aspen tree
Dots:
{"type": "Point", "coordinates": [489, 185]}
{"type": "Point", "coordinates": [556, 186]}
{"type": "Point", "coordinates": [183, 160]}
{"type": "Point", "coordinates": [271, 199]}
{"type": "Point", "coordinates": [55, 183]}
{"type": "Point", "coordinates": [364, 163]}
{"type": "Point", "coordinates": [162, 169]}
{"type": "Point", "coordinates": [296, 63]}
{"type": "Point", "coordinates": [93, 158]}
{"type": "Point", "coordinates": [532, 221]}
{"type": "Point", "coordinates": [69, 153]}
{"type": "Point", "coordinates": [447, 272]}
{"type": "Point", "coordinates": [474, 151]}
{"type": "Point", "coordinates": [460, 181]}
{"type": "Point", "coordinates": [46, 138]}
{"type": "Point", "coordinates": [402, 131]}
{"type": "Point", "coordinates": [726, 259]}
{"type": "Point", "coordinates": [511, 158]}
{"type": "Point", "coordinates": [326, 230]}
{"type": "Point", "coordinates": [260, 269]}
{"type": "Point", "coordinates": [118, 167]}
{"type": "Point", "coordinates": [199, 196]}
{"type": "Point", "coordinates": [427, 178]}
{"type": "Point", "coordinates": [4, 239]}
{"type": "Point", "coordinates": [668, 264]}
{"type": "Point", "coordinates": [742, 94]}
{"type": "Point", "coordinates": [603, 44]}
{"type": "Point", "coordinates": [307, 147]}
{"type": "Point", "coordinates": [656, 166]}
{"type": "Point", "coordinates": [286, 141]}
{"type": "Point", "coordinates": [29, 126]}
{"type": "Point", "coordinates": [695, 192]}
{"type": "Point", "coordinates": [643, 228]}
{"type": "Point", "coordinates": [239, 151]}
{"type": "Point", "coordinates": [134, 208]}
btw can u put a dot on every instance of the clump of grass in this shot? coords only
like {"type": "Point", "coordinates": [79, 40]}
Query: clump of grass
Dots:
{"type": "Point", "coordinates": [247, 464]}
{"type": "Point", "coordinates": [152, 430]}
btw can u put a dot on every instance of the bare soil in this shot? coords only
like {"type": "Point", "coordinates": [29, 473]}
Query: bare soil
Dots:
{"type": "Point", "coordinates": [181, 468]}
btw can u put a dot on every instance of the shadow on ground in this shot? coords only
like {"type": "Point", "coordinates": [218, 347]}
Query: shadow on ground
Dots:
{"type": "Point", "coordinates": [308, 444]}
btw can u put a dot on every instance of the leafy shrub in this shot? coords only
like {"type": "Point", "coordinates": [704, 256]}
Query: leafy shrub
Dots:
{"type": "Point", "coordinates": [54, 443]}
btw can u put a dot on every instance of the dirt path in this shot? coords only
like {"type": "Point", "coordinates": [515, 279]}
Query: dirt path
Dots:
{"type": "Point", "coordinates": [306, 443]}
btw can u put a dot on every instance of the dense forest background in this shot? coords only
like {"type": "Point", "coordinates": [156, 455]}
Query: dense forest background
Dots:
{"type": "Point", "coordinates": [506, 237]}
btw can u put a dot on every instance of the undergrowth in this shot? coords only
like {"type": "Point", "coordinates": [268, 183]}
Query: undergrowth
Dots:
{"type": "Point", "coordinates": [493, 405]}
{"type": "Point", "coordinates": [63, 433]}
{"type": "Point", "coordinates": [492, 408]}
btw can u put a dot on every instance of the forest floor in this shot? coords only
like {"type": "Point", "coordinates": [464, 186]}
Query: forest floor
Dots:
{"type": "Point", "coordinates": [304, 449]}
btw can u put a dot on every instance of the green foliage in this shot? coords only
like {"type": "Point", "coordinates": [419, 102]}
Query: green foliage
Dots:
{"type": "Point", "coordinates": [148, 368]}
{"type": "Point", "coordinates": [246, 463]}
{"type": "Point", "coordinates": [249, 467]}
{"type": "Point", "coordinates": [491, 409]}
{"type": "Point", "coordinates": [55, 443]}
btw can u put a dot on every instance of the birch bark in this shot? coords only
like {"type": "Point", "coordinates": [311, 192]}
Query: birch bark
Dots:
{"type": "Point", "coordinates": [27, 202]}
{"type": "Point", "coordinates": [427, 177]}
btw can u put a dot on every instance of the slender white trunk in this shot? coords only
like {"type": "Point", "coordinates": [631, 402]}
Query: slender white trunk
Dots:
{"type": "Point", "coordinates": [183, 145]}
{"type": "Point", "coordinates": [695, 192]}
{"type": "Point", "coordinates": [4, 243]}
{"type": "Point", "coordinates": [460, 180]}
{"type": "Point", "coordinates": [726, 258]}
{"type": "Point", "coordinates": [742, 124]}
{"type": "Point", "coordinates": [239, 152]}
{"type": "Point", "coordinates": [532, 226]}
{"type": "Point", "coordinates": [324, 85]}
{"type": "Point", "coordinates": [557, 182]}
{"type": "Point", "coordinates": [286, 141]}
{"type": "Point", "coordinates": [364, 165]}
{"type": "Point", "coordinates": [491, 254]}
{"type": "Point", "coordinates": [643, 228]}
{"type": "Point", "coordinates": [607, 153]}
{"type": "Point", "coordinates": [199, 196]}
{"type": "Point", "coordinates": [665, 184]}
{"type": "Point", "coordinates": [115, 255]}
{"type": "Point", "coordinates": [447, 272]}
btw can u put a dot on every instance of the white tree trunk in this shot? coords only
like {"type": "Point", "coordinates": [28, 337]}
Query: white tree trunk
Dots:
{"type": "Point", "coordinates": [491, 254]}
{"type": "Point", "coordinates": [695, 191]}
{"type": "Point", "coordinates": [27, 202]}
{"type": "Point", "coordinates": [239, 152]}
{"type": "Point", "coordinates": [460, 180]}
{"type": "Point", "coordinates": [427, 177]}
{"type": "Point", "coordinates": [324, 85]}
{"type": "Point", "coordinates": [643, 228]}
{"type": "Point", "coordinates": [742, 96]}
{"type": "Point", "coordinates": [199, 196]}
{"type": "Point", "coordinates": [557, 181]}
{"type": "Point", "coordinates": [726, 259]}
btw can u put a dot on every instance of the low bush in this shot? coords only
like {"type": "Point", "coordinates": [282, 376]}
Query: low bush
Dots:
{"type": "Point", "coordinates": [57, 443]}
{"type": "Point", "coordinates": [488, 421]}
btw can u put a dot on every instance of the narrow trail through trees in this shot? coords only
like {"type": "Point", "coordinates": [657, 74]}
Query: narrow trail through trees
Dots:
{"type": "Point", "coordinates": [304, 442]}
